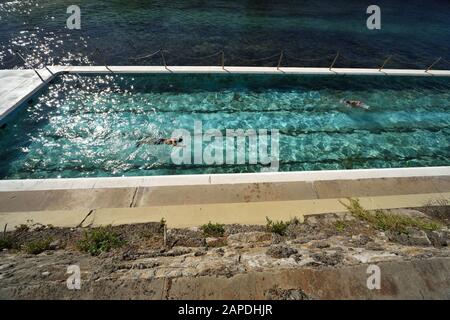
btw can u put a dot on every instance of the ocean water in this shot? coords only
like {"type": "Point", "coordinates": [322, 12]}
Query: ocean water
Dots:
{"type": "Point", "coordinates": [90, 126]}
{"type": "Point", "coordinates": [310, 32]}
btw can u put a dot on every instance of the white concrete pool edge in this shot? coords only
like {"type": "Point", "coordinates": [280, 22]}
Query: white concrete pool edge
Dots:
{"type": "Point", "coordinates": [247, 70]}
{"type": "Point", "coordinates": [17, 86]}
{"type": "Point", "coordinates": [218, 179]}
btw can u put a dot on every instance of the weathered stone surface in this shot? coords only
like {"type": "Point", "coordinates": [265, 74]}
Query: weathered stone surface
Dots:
{"type": "Point", "coordinates": [402, 280]}
{"type": "Point", "coordinates": [439, 238]}
{"type": "Point", "coordinates": [286, 294]}
{"type": "Point", "coordinates": [54, 245]}
{"type": "Point", "coordinates": [407, 212]}
{"type": "Point", "coordinates": [185, 237]}
{"type": "Point", "coordinates": [321, 245]}
{"type": "Point", "coordinates": [252, 267]}
{"type": "Point", "coordinates": [6, 266]}
{"type": "Point", "coordinates": [360, 240]}
{"type": "Point", "coordinates": [310, 237]}
{"type": "Point", "coordinates": [280, 251]}
{"type": "Point", "coordinates": [330, 259]}
{"type": "Point", "coordinates": [413, 238]}
{"type": "Point", "coordinates": [375, 246]}
{"type": "Point", "coordinates": [177, 251]}
{"type": "Point", "coordinates": [249, 237]}
{"type": "Point", "coordinates": [311, 219]}
{"type": "Point", "coordinates": [216, 242]}
{"type": "Point", "coordinates": [199, 253]}
{"type": "Point", "coordinates": [371, 257]}
{"type": "Point", "coordinates": [240, 228]}
{"type": "Point", "coordinates": [148, 264]}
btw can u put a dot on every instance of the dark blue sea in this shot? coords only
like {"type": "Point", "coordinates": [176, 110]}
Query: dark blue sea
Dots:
{"type": "Point", "coordinates": [250, 32]}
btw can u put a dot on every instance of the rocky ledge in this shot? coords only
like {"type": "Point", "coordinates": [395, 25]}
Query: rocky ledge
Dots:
{"type": "Point", "coordinates": [320, 255]}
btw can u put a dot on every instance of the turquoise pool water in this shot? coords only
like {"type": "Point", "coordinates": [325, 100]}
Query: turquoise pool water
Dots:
{"type": "Point", "coordinates": [89, 126]}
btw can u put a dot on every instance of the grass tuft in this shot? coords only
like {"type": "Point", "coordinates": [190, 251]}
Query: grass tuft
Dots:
{"type": "Point", "coordinates": [6, 243]}
{"type": "Point", "coordinates": [213, 229]}
{"type": "Point", "coordinates": [385, 221]}
{"type": "Point", "coordinates": [37, 246]}
{"type": "Point", "coordinates": [279, 227]}
{"type": "Point", "coordinates": [22, 228]}
{"type": "Point", "coordinates": [341, 225]}
{"type": "Point", "coordinates": [98, 240]}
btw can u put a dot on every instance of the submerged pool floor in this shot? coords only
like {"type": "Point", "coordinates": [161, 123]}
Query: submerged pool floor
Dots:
{"type": "Point", "coordinates": [90, 126]}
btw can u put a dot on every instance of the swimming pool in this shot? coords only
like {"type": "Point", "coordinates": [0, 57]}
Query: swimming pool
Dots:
{"type": "Point", "coordinates": [90, 125]}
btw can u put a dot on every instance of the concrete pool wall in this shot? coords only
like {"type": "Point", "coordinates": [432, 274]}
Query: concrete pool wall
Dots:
{"type": "Point", "coordinates": [195, 199]}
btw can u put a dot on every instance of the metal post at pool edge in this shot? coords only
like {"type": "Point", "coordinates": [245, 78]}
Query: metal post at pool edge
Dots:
{"type": "Point", "coordinates": [104, 59]}
{"type": "Point", "coordinates": [279, 60]}
{"type": "Point", "coordinates": [385, 61]}
{"type": "Point", "coordinates": [334, 61]}
{"type": "Point", "coordinates": [437, 60]}
{"type": "Point", "coordinates": [163, 59]}
{"type": "Point", "coordinates": [25, 61]}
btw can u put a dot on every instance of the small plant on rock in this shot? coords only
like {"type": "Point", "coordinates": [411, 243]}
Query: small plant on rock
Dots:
{"type": "Point", "coordinates": [98, 240]}
{"type": "Point", "coordinates": [213, 229]}
{"type": "Point", "coordinates": [278, 227]}
{"type": "Point", "coordinates": [38, 246]}
{"type": "Point", "coordinates": [6, 242]}
{"type": "Point", "coordinates": [341, 225]}
{"type": "Point", "coordinates": [386, 221]}
{"type": "Point", "coordinates": [22, 228]}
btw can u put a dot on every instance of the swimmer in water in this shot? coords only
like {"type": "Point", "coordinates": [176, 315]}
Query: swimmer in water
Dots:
{"type": "Point", "coordinates": [355, 104]}
{"type": "Point", "coordinates": [175, 142]}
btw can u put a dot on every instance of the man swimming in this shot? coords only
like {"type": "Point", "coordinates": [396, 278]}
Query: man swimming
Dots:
{"type": "Point", "coordinates": [170, 141]}
{"type": "Point", "coordinates": [355, 104]}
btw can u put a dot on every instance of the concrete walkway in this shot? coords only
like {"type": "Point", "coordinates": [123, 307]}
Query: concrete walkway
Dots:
{"type": "Point", "coordinates": [194, 205]}
{"type": "Point", "coordinates": [18, 85]}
